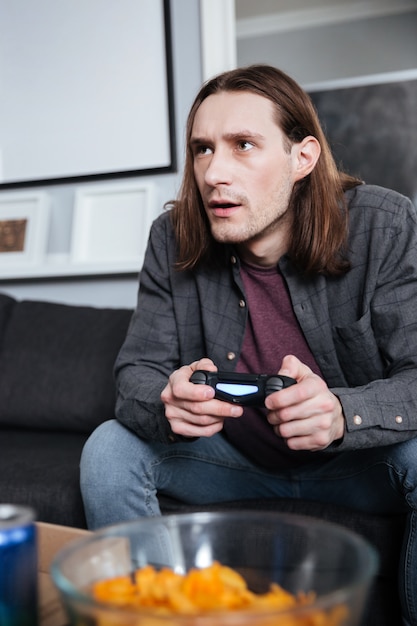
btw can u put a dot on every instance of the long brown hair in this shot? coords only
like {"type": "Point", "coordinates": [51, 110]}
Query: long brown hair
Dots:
{"type": "Point", "coordinates": [318, 237]}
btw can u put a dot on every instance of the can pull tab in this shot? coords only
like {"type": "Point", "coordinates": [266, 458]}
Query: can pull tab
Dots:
{"type": "Point", "coordinates": [8, 513]}
{"type": "Point", "coordinates": [11, 514]}
{"type": "Point", "coordinates": [5, 516]}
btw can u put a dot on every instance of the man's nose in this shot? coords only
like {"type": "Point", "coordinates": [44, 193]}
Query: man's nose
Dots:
{"type": "Point", "coordinates": [219, 170]}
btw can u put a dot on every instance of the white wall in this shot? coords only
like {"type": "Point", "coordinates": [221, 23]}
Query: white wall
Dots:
{"type": "Point", "coordinates": [340, 50]}
{"type": "Point", "coordinates": [121, 291]}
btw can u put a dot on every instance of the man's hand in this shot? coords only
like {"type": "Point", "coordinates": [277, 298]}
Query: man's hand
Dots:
{"type": "Point", "coordinates": [191, 409]}
{"type": "Point", "coordinates": [307, 415]}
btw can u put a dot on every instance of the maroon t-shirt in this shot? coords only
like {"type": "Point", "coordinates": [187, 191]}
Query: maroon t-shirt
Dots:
{"type": "Point", "coordinates": [271, 333]}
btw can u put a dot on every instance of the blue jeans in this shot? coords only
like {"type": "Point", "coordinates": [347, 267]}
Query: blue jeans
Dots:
{"type": "Point", "coordinates": [122, 474]}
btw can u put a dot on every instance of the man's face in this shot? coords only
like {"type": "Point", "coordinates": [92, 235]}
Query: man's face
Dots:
{"type": "Point", "coordinates": [243, 171]}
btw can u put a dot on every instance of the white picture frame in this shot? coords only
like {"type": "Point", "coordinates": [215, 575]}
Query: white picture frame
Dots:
{"type": "Point", "coordinates": [111, 226]}
{"type": "Point", "coordinates": [24, 230]}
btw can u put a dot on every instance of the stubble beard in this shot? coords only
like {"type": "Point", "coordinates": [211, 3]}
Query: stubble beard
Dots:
{"type": "Point", "coordinates": [225, 231]}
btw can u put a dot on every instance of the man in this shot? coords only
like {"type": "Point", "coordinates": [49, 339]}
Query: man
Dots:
{"type": "Point", "coordinates": [269, 261]}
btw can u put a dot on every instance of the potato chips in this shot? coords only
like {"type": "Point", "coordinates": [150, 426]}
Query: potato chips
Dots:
{"type": "Point", "coordinates": [214, 589]}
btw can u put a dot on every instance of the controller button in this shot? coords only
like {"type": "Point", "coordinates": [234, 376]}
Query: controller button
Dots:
{"type": "Point", "coordinates": [273, 384]}
{"type": "Point", "coordinates": [199, 378]}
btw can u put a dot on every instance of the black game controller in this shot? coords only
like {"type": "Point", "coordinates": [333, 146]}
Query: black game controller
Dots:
{"type": "Point", "coordinates": [244, 389]}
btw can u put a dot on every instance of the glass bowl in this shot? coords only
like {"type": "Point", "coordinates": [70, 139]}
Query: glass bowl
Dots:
{"type": "Point", "coordinates": [301, 554]}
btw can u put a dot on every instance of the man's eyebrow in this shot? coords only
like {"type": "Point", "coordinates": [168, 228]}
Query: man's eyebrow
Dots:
{"type": "Point", "coordinates": [235, 136]}
{"type": "Point", "coordinates": [198, 141]}
{"type": "Point", "coordinates": [243, 134]}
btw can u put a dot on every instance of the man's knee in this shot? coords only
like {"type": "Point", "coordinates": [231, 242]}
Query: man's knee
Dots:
{"type": "Point", "coordinates": [105, 451]}
{"type": "Point", "coordinates": [404, 456]}
{"type": "Point", "coordinates": [402, 461]}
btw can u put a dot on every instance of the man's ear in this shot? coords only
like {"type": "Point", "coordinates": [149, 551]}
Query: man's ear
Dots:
{"type": "Point", "coordinates": [305, 154]}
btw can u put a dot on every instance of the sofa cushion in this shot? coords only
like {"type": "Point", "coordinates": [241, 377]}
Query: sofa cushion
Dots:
{"type": "Point", "coordinates": [6, 305]}
{"type": "Point", "coordinates": [56, 365]}
{"type": "Point", "coordinates": [40, 469]}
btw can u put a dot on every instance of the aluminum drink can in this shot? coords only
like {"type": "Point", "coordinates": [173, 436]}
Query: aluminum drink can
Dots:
{"type": "Point", "coordinates": [18, 567]}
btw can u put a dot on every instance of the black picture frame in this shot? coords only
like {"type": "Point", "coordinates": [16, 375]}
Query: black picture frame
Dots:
{"type": "Point", "coordinates": [372, 128]}
{"type": "Point", "coordinates": [167, 165]}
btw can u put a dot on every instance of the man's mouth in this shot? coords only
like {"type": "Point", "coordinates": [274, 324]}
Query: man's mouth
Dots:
{"type": "Point", "coordinates": [223, 208]}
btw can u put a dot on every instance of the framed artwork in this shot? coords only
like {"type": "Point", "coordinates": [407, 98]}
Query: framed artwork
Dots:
{"type": "Point", "coordinates": [87, 90]}
{"type": "Point", "coordinates": [24, 226]}
{"type": "Point", "coordinates": [371, 125]}
{"type": "Point", "coordinates": [111, 225]}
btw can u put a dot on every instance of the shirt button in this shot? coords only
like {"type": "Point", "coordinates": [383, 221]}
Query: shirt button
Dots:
{"type": "Point", "coordinates": [357, 420]}
{"type": "Point", "coordinates": [242, 304]}
{"type": "Point", "coordinates": [233, 260]}
{"type": "Point", "coordinates": [231, 356]}
{"type": "Point", "coordinates": [399, 419]}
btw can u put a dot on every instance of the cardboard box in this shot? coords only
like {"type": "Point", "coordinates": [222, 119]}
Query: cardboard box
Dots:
{"type": "Point", "coordinates": [51, 539]}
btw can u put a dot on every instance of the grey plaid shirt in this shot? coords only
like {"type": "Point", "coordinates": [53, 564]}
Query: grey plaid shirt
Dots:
{"type": "Point", "coordinates": [361, 327]}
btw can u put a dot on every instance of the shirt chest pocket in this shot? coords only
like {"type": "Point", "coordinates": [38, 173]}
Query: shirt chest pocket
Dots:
{"type": "Point", "coordinates": [358, 351]}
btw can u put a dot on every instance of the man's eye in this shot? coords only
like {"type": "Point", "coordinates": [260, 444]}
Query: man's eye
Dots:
{"type": "Point", "coordinates": [244, 145]}
{"type": "Point", "coordinates": [202, 150]}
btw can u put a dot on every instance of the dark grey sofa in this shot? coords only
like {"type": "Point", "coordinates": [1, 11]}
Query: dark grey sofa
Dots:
{"type": "Point", "coordinates": [56, 386]}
